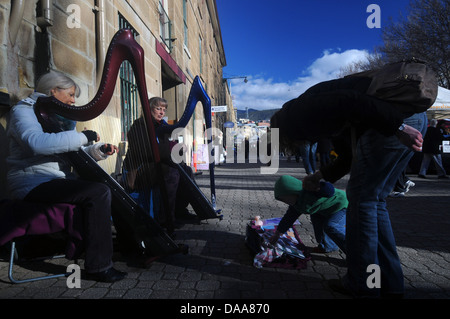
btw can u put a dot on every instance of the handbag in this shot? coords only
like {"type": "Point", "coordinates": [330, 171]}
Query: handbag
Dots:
{"type": "Point", "coordinates": [411, 84]}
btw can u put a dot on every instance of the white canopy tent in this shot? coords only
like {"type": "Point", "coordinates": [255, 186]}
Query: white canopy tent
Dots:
{"type": "Point", "coordinates": [441, 107]}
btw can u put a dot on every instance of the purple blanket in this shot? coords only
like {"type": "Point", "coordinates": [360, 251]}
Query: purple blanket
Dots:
{"type": "Point", "coordinates": [19, 218]}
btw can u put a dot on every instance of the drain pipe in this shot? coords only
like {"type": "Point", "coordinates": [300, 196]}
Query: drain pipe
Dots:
{"type": "Point", "coordinates": [15, 19]}
{"type": "Point", "coordinates": [46, 18]}
{"type": "Point", "coordinates": [100, 42]}
{"type": "Point", "coordinates": [42, 51]}
{"type": "Point", "coordinates": [12, 69]}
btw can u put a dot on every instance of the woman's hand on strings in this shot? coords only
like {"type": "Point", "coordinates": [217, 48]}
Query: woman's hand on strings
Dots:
{"type": "Point", "coordinates": [109, 149]}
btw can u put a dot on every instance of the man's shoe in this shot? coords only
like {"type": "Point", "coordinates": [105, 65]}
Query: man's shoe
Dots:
{"type": "Point", "coordinates": [397, 194]}
{"type": "Point", "coordinates": [337, 286]}
{"type": "Point", "coordinates": [110, 275]}
{"type": "Point", "coordinates": [421, 176]}
{"type": "Point", "coordinates": [443, 176]}
{"type": "Point", "coordinates": [318, 250]}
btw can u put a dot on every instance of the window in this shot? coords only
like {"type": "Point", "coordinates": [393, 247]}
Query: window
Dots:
{"type": "Point", "coordinates": [186, 42]}
{"type": "Point", "coordinates": [200, 53]}
{"type": "Point", "coordinates": [165, 26]}
{"type": "Point", "coordinates": [129, 95]}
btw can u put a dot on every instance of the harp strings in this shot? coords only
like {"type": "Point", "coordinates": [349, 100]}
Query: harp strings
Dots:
{"type": "Point", "coordinates": [138, 156]}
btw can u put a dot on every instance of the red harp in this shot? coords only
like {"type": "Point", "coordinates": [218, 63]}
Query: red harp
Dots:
{"type": "Point", "coordinates": [146, 232]}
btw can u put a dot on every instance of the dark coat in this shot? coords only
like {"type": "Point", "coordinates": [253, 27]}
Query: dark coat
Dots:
{"type": "Point", "coordinates": [139, 146]}
{"type": "Point", "coordinates": [432, 140]}
{"type": "Point", "coordinates": [329, 109]}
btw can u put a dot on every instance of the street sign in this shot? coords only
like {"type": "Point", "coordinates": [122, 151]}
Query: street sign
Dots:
{"type": "Point", "coordinates": [220, 108]}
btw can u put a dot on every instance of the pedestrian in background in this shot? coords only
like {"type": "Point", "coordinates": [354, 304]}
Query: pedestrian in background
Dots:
{"type": "Point", "coordinates": [307, 152]}
{"type": "Point", "coordinates": [324, 148]}
{"type": "Point", "coordinates": [432, 148]}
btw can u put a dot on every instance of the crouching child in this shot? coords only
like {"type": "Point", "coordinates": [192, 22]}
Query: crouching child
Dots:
{"type": "Point", "coordinates": [327, 208]}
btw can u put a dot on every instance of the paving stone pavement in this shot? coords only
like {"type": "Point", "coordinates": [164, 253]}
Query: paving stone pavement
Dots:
{"type": "Point", "coordinates": [219, 265]}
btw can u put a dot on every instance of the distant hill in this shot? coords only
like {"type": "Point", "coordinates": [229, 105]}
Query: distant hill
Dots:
{"type": "Point", "coordinates": [256, 115]}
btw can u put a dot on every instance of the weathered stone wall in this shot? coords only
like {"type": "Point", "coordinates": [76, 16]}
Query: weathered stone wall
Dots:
{"type": "Point", "coordinates": [74, 50]}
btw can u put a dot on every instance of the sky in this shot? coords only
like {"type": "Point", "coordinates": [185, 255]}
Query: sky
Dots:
{"type": "Point", "coordinates": [284, 47]}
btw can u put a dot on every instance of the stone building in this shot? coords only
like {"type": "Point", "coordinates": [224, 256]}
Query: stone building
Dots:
{"type": "Point", "coordinates": [181, 39]}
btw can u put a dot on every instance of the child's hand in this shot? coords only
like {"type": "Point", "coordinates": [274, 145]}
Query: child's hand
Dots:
{"type": "Point", "coordinates": [312, 182]}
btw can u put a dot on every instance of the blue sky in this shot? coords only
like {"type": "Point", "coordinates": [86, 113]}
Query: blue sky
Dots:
{"type": "Point", "coordinates": [285, 46]}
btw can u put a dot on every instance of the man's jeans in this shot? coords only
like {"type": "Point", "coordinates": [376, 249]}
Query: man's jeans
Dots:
{"type": "Point", "coordinates": [369, 237]}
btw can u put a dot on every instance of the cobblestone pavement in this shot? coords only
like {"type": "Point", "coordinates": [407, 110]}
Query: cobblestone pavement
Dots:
{"type": "Point", "coordinates": [219, 265]}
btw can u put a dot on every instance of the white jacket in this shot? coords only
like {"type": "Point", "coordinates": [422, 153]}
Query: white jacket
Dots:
{"type": "Point", "coordinates": [36, 157]}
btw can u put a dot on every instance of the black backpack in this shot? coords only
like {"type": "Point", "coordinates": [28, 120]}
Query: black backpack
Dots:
{"type": "Point", "coordinates": [411, 84]}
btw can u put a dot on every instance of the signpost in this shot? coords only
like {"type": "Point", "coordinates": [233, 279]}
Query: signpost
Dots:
{"type": "Point", "coordinates": [220, 108]}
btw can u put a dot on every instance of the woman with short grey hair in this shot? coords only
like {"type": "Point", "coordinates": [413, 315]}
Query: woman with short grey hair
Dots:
{"type": "Point", "coordinates": [56, 80]}
{"type": "Point", "coordinates": [38, 172]}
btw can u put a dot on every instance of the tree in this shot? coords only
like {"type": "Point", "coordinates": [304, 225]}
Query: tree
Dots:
{"type": "Point", "coordinates": [372, 61]}
{"type": "Point", "coordinates": [423, 34]}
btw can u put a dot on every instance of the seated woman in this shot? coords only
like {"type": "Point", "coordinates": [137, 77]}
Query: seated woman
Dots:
{"type": "Point", "coordinates": [38, 172]}
{"type": "Point", "coordinates": [139, 171]}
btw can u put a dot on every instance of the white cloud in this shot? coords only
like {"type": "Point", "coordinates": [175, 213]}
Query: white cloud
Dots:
{"type": "Point", "coordinates": [260, 93]}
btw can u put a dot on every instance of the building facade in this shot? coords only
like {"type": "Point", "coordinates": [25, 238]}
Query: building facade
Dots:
{"type": "Point", "coordinates": [181, 39]}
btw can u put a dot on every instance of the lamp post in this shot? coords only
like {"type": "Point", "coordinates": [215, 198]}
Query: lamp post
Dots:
{"type": "Point", "coordinates": [229, 87]}
{"type": "Point", "coordinates": [235, 77]}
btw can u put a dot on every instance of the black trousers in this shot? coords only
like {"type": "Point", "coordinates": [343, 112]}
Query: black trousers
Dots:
{"type": "Point", "coordinates": [93, 201]}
